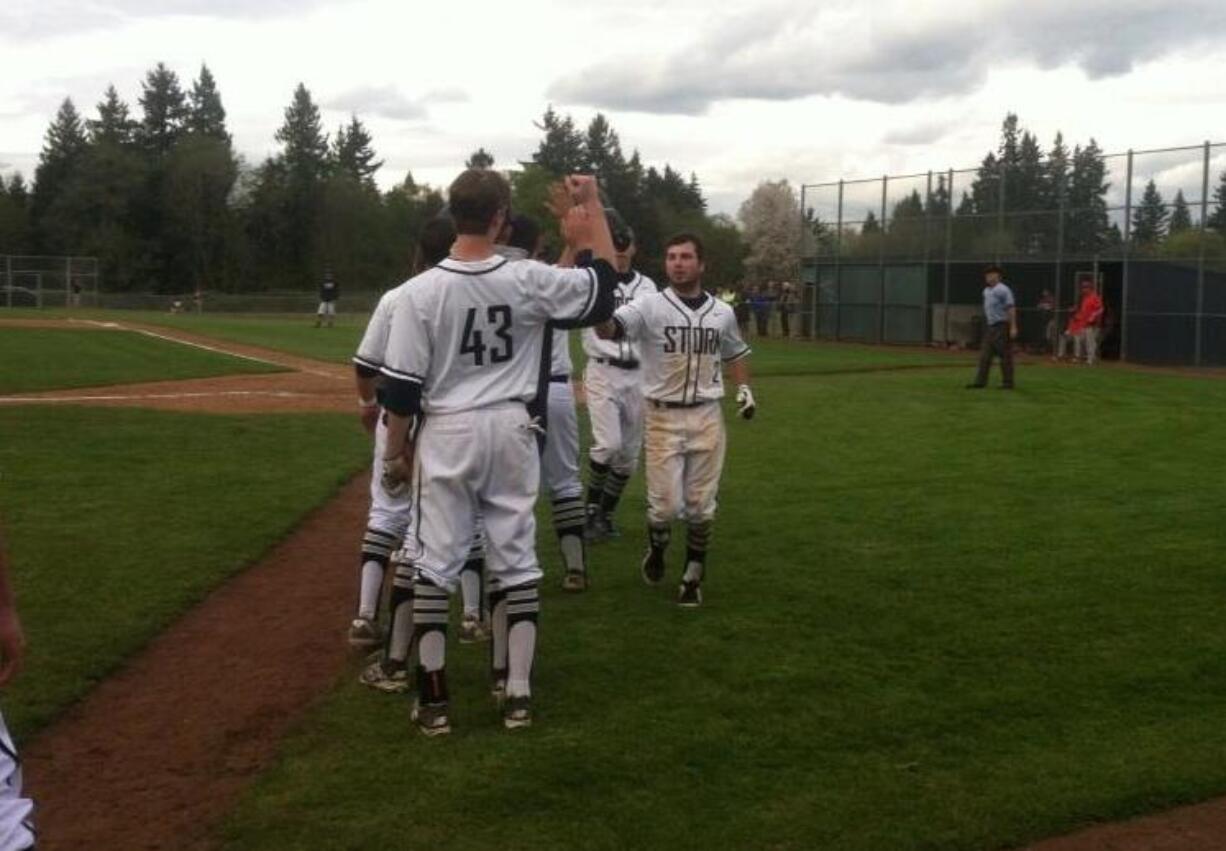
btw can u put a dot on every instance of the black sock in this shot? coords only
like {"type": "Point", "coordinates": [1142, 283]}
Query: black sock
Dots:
{"type": "Point", "coordinates": [596, 481]}
{"type": "Point", "coordinates": [658, 536]}
{"type": "Point", "coordinates": [613, 487]}
{"type": "Point", "coordinates": [697, 536]}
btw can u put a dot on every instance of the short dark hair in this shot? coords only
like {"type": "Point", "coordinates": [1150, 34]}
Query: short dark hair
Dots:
{"type": "Point", "coordinates": [434, 244]}
{"type": "Point", "coordinates": [692, 238]}
{"type": "Point", "coordinates": [992, 267]}
{"type": "Point", "coordinates": [525, 233]}
{"type": "Point", "coordinates": [474, 199]}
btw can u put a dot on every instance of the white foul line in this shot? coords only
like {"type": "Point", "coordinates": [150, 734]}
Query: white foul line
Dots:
{"type": "Point", "coordinates": [27, 400]}
{"type": "Point", "coordinates": [118, 326]}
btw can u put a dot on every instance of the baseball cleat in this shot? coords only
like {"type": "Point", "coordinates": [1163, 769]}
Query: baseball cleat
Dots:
{"type": "Point", "coordinates": [472, 631]}
{"type": "Point", "coordinates": [364, 634]}
{"type": "Point", "coordinates": [597, 527]}
{"type": "Point", "coordinates": [385, 676]}
{"type": "Point", "coordinates": [517, 713]}
{"type": "Point", "coordinates": [574, 580]}
{"type": "Point", "coordinates": [498, 687]}
{"type": "Point", "coordinates": [689, 596]}
{"type": "Point", "coordinates": [653, 566]}
{"type": "Point", "coordinates": [431, 718]}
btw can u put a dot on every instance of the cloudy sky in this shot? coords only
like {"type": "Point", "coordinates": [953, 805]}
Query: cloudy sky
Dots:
{"type": "Point", "coordinates": [738, 91]}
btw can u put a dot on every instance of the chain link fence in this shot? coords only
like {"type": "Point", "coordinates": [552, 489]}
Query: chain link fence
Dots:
{"type": "Point", "coordinates": [35, 281]}
{"type": "Point", "coordinates": [898, 259]}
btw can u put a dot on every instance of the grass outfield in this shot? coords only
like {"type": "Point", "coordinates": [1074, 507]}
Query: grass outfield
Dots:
{"type": "Point", "coordinates": [120, 520]}
{"type": "Point", "coordinates": [35, 359]}
{"type": "Point", "coordinates": [296, 334]}
{"type": "Point", "coordinates": [935, 619]}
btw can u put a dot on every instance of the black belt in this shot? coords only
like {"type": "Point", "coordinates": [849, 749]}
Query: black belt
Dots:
{"type": "Point", "coordinates": [560, 379]}
{"type": "Point", "coordinates": [660, 403]}
{"type": "Point", "coordinates": [618, 362]}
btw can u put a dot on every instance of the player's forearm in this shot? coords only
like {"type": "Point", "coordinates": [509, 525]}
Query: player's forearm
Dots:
{"type": "Point", "coordinates": [739, 370]}
{"type": "Point", "coordinates": [398, 429]}
{"type": "Point", "coordinates": [610, 329]}
{"type": "Point", "coordinates": [1013, 318]}
{"type": "Point", "coordinates": [367, 386]}
{"type": "Point", "coordinates": [602, 238]}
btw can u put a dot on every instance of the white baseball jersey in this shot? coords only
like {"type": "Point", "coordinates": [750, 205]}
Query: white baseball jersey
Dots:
{"type": "Point", "coordinates": [472, 333]}
{"type": "Point", "coordinates": [638, 287]}
{"type": "Point", "coordinates": [682, 347]}
{"type": "Point", "coordinates": [371, 350]}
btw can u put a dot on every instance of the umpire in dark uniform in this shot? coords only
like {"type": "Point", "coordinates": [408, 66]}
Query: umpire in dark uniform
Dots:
{"type": "Point", "coordinates": [1000, 319]}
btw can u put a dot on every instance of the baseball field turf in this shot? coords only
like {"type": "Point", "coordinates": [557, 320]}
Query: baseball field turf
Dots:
{"type": "Point", "coordinates": [935, 618]}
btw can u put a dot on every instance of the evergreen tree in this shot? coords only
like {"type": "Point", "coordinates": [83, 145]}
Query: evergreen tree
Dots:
{"type": "Point", "coordinates": [1149, 218]}
{"type": "Point", "coordinates": [1087, 224]}
{"type": "Point", "coordinates": [562, 150]}
{"type": "Point", "coordinates": [63, 149]}
{"type": "Point", "coordinates": [480, 158]}
{"type": "Point", "coordinates": [353, 154]}
{"type": "Point", "coordinates": [938, 201]}
{"type": "Point", "coordinates": [305, 151]}
{"type": "Point", "coordinates": [1217, 219]}
{"type": "Point", "coordinates": [205, 114]}
{"type": "Point", "coordinates": [966, 206]}
{"type": "Point", "coordinates": [114, 124]}
{"type": "Point", "coordinates": [1181, 216]}
{"type": "Point", "coordinates": [870, 225]}
{"type": "Point", "coordinates": [15, 231]}
{"type": "Point", "coordinates": [164, 109]}
{"type": "Point", "coordinates": [985, 189]}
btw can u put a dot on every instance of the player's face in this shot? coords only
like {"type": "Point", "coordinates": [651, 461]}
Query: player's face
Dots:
{"type": "Point", "coordinates": [991, 279]}
{"type": "Point", "coordinates": [625, 259]}
{"type": "Point", "coordinates": [682, 265]}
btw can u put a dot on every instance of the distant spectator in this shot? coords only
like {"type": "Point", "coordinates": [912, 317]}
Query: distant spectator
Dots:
{"type": "Point", "coordinates": [740, 309]}
{"type": "Point", "coordinates": [75, 298]}
{"type": "Point", "coordinates": [787, 304]}
{"type": "Point", "coordinates": [760, 303]}
{"type": "Point", "coordinates": [1047, 315]}
{"type": "Point", "coordinates": [329, 292]}
{"type": "Point", "coordinates": [198, 300]}
{"type": "Point", "coordinates": [1083, 325]}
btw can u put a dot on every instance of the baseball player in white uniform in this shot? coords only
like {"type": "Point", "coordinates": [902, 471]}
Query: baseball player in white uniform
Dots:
{"type": "Point", "coordinates": [391, 508]}
{"type": "Point", "coordinates": [611, 381]}
{"type": "Point", "coordinates": [16, 810]}
{"type": "Point", "coordinates": [686, 337]}
{"type": "Point", "coordinates": [463, 362]}
{"type": "Point", "coordinates": [560, 456]}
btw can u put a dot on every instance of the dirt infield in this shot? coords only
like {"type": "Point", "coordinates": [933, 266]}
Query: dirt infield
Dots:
{"type": "Point", "coordinates": [310, 386]}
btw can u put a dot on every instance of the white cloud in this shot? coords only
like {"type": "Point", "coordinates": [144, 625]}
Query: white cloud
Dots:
{"type": "Point", "coordinates": [432, 88]}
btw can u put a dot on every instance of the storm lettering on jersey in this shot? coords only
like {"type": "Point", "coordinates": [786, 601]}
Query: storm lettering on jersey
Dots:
{"type": "Point", "coordinates": [690, 341]}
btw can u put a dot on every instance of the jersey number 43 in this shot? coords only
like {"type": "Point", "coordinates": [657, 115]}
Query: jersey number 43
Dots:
{"type": "Point", "coordinates": [497, 322]}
